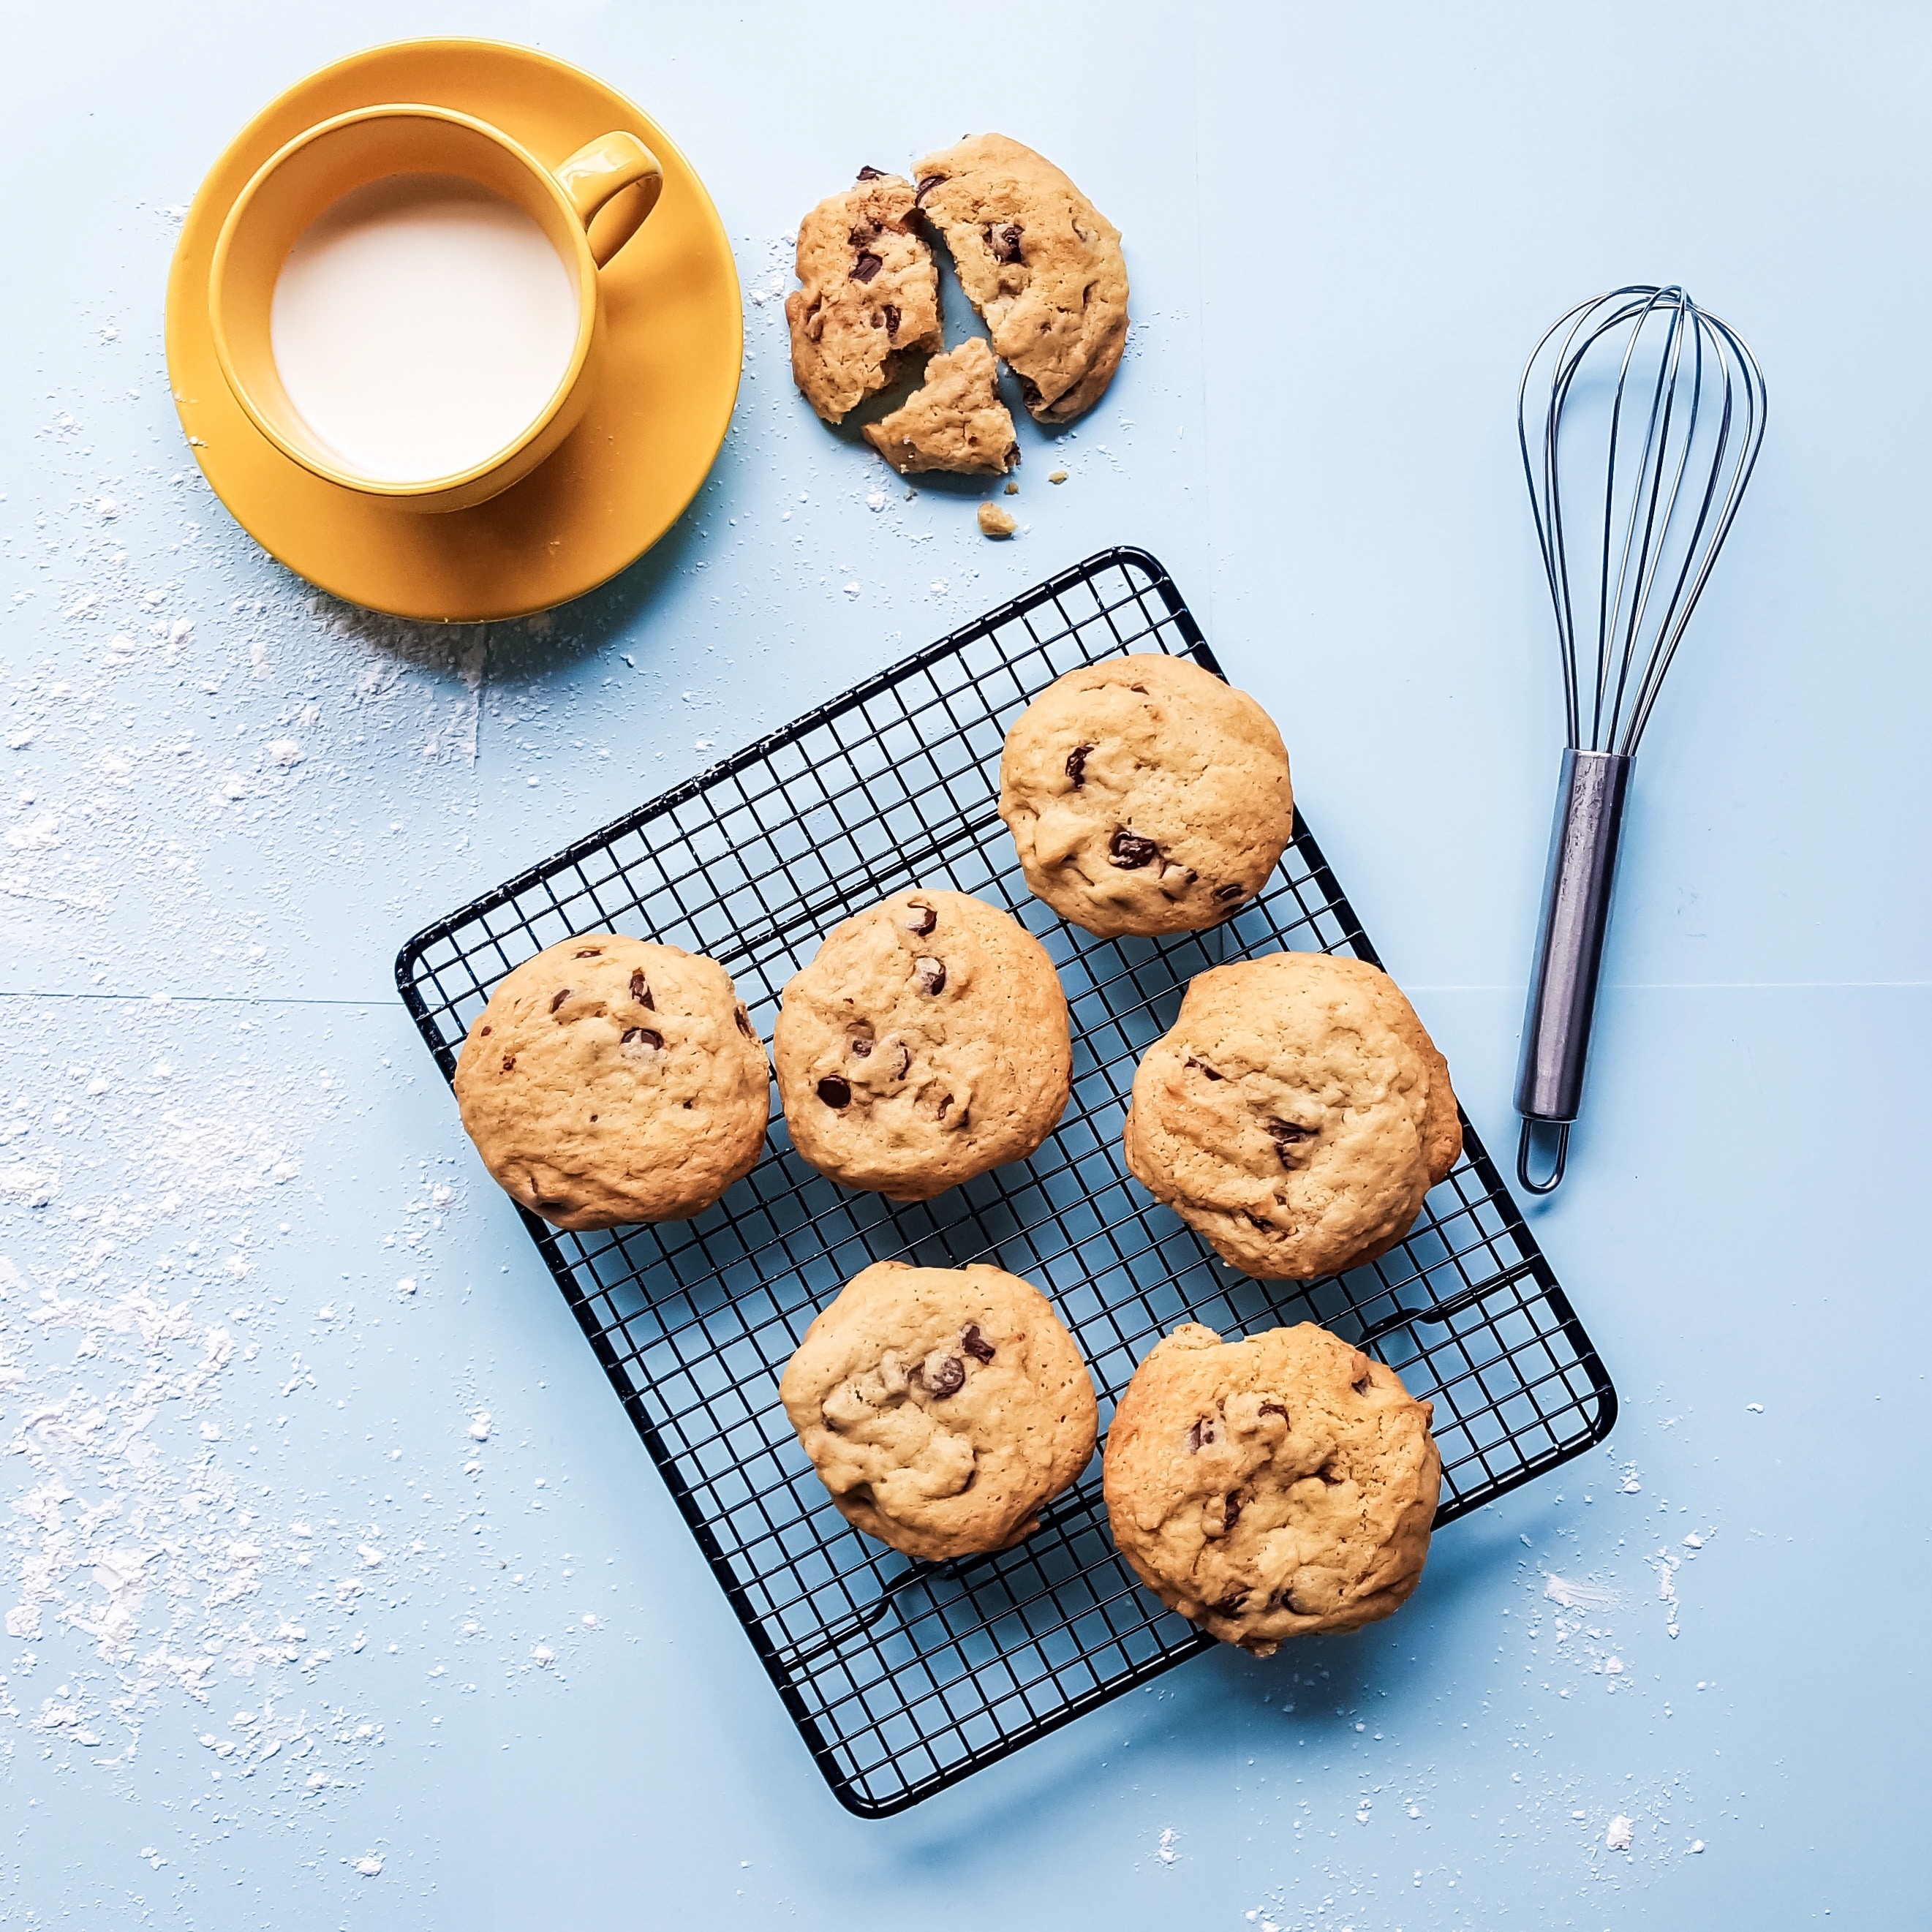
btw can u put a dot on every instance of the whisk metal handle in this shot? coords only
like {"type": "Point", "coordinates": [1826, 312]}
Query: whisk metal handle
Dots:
{"type": "Point", "coordinates": [1569, 949]}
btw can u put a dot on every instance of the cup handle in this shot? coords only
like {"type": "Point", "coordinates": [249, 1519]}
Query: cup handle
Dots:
{"type": "Point", "coordinates": [603, 168]}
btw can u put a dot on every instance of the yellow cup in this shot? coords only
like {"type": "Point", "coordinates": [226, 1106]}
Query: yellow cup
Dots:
{"type": "Point", "coordinates": [317, 168]}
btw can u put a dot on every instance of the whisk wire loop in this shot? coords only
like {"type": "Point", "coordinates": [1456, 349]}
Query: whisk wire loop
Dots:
{"type": "Point", "coordinates": [1651, 563]}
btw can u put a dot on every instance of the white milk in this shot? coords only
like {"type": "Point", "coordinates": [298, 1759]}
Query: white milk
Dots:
{"type": "Point", "coordinates": [421, 324]}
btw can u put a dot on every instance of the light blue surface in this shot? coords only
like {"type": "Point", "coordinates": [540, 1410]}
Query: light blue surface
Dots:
{"type": "Point", "coordinates": [1346, 227]}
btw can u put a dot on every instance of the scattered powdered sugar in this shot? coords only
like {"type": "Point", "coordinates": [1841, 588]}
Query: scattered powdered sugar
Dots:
{"type": "Point", "coordinates": [1164, 1851]}
{"type": "Point", "coordinates": [1571, 1594]}
{"type": "Point", "coordinates": [1617, 1833]}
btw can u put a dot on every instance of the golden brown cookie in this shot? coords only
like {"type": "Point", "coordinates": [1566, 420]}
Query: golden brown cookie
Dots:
{"type": "Point", "coordinates": [1145, 795]}
{"type": "Point", "coordinates": [1038, 261]}
{"type": "Point", "coordinates": [869, 293]}
{"type": "Point", "coordinates": [1295, 1116]}
{"type": "Point", "coordinates": [610, 1081]}
{"type": "Point", "coordinates": [955, 422]}
{"type": "Point", "coordinates": [942, 1407]}
{"type": "Point", "coordinates": [1272, 1487]}
{"type": "Point", "coordinates": [926, 1042]}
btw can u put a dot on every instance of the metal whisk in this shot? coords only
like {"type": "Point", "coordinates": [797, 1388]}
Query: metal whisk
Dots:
{"type": "Point", "coordinates": [1676, 404]}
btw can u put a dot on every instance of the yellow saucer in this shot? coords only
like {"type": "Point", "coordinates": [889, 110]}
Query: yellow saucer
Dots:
{"type": "Point", "coordinates": [675, 344]}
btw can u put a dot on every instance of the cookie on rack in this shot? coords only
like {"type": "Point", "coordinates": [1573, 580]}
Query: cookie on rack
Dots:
{"type": "Point", "coordinates": [941, 1407]}
{"type": "Point", "coordinates": [868, 294]}
{"type": "Point", "coordinates": [954, 421]}
{"type": "Point", "coordinates": [1038, 261]}
{"type": "Point", "coordinates": [1295, 1115]}
{"type": "Point", "coordinates": [1146, 795]}
{"type": "Point", "coordinates": [1273, 1486]}
{"type": "Point", "coordinates": [926, 1042]}
{"type": "Point", "coordinates": [611, 1081]}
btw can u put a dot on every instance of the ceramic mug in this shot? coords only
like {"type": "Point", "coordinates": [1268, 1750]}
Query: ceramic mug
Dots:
{"type": "Point", "coordinates": [301, 180]}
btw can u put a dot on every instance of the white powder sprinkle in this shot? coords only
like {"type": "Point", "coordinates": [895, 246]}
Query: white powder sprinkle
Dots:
{"type": "Point", "coordinates": [1571, 1595]}
{"type": "Point", "coordinates": [1617, 1837]}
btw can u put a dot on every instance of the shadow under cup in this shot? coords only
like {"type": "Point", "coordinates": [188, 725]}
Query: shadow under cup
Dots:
{"type": "Point", "coordinates": [307, 177]}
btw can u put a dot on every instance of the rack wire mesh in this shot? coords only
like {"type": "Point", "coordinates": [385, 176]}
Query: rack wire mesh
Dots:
{"type": "Point", "coordinates": [905, 1677]}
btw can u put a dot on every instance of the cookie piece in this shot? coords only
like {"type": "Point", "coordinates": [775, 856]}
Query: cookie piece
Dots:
{"type": "Point", "coordinates": [1295, 1116]}
{"type": "Point", "coordinates": [941, 1407]}
{"type": "Point", "coordinates": [1038, 261]}
{"type": "Point", "coordinates": [869, 293]}
{"type": "Point", "coordinates": [955, 422]}
{"type": "Point", "coordinates": [611, 1081]}
{"type": "Point", "coordinates": [1145, 795]}
{"type": "Point", "coordinates": [1272, 1487]}
{"type": "Point", "coordinates": [926, 1042]}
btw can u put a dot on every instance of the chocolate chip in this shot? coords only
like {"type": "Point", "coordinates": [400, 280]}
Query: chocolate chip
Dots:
{"type": "Point", "coordinates": [509, 1061]}
{"type": "Point", "coordinates": [871, 174]}
{"type": "Point", "coordinates": [588, 952]}
{"type": "Point", "coordinates": [835, 1092]}
{"type": "Point", "coordinates": [1129, 850]}
{"type": "Point", "coordinates": [744, 1020]}
{"type": "Point", "coordinates": [892, 319]}
{"type": "Point", "coordinates": [944, 1376]}
{"type": "Point", "coordinates": [924, 917]}
{"type": "Point", "coordinates": [1203, 1067]}
{"type": "Point", "coordinates": [976, 1344]}
{"type": "Point", "coordinates": [644, 1033]}
{"type": "Point", "coordinates": [1285, 1135]}
{"type": "Point", "coordinates": [1005, 242]}
{"type": "Point", "coordinates": [1232, 890]}
{"type": "Point", "coordinates": [1233, 1503]}
{"type": "Point", "coordinates": [562, 994]}
{"type": "Point", "coordinates": [593, 1120]}
{"type": "Point", "coordinates": [1230, 1606]}
{"type": "Point", "coordinates": [905, 1059]}
{"type": "Point", "coordinates": [1366, 1383]}
{"type": "Point", "coordinates": [1274, 1409]}
{"type": "Point", "coordinates": [1076, 765]}
{"type": "Point", "coordinates": [1204, 1432]}
{"type": "Point", "coordinates": [859, 1047]}
{"type": "Point", "coordinates": [487, 1032]}
{"type": "Point", "coordinates": [931, 973]}
{"type": "Point", "coordinates": [925, 188]}
{"type": "Point", "coordinates": [640, 991]}
{"type": "Point", "coordinates": [868, 265]}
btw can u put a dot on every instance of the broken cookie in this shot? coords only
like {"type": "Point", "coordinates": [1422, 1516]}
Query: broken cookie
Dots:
{"type": "Point", "coordinates": [868, 293]}
{"type": "Point", "coordinates": [1038, 261]}
{"type": "Point", "coordinates": [955, 421]}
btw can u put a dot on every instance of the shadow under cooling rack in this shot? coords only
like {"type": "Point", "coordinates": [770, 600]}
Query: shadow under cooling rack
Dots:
{"type": "Point", "coordinates": [905, 1677]}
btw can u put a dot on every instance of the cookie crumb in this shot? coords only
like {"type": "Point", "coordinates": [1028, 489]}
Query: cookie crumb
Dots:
{"type": "Point", "coordinates": [1012, 489]}
{"type": "Point", "coordinates": [1057, 476]}
{"type": "Point", "coordinates": [996, 522]}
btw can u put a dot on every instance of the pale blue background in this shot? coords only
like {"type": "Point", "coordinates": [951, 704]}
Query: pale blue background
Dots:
{"type": "Point", "coordinates": [1345, 227]}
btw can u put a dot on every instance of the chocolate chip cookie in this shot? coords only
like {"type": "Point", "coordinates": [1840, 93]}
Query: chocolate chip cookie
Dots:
{"type": "Point", "coordinates": [868, 293]}
{"type": "Point", "coordinates": [926, 1042]}
{"type": "Point", "coordinates": [942, 1407]}
{"type": "Point", "coordinates": [610, 1080]}
{"type": "Point", "coordinates": [1038, 261]}
{"type": "Point", "coordinates": [1295, 1116]}
{"type": "Point", "coordinates": [1272, 1487]}
{"type": "Point", "coordinates": [954, 421]}
{"type": "Point", "coordinates": [1145, 795]}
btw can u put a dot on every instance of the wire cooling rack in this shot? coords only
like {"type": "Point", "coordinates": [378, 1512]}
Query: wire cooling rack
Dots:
{"type": "Point", "coordinates": [905, 1677]}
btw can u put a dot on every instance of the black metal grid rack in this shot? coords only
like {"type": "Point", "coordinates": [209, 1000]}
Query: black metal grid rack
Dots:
{"type": "Point", "coordinates": [905, 1677]}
